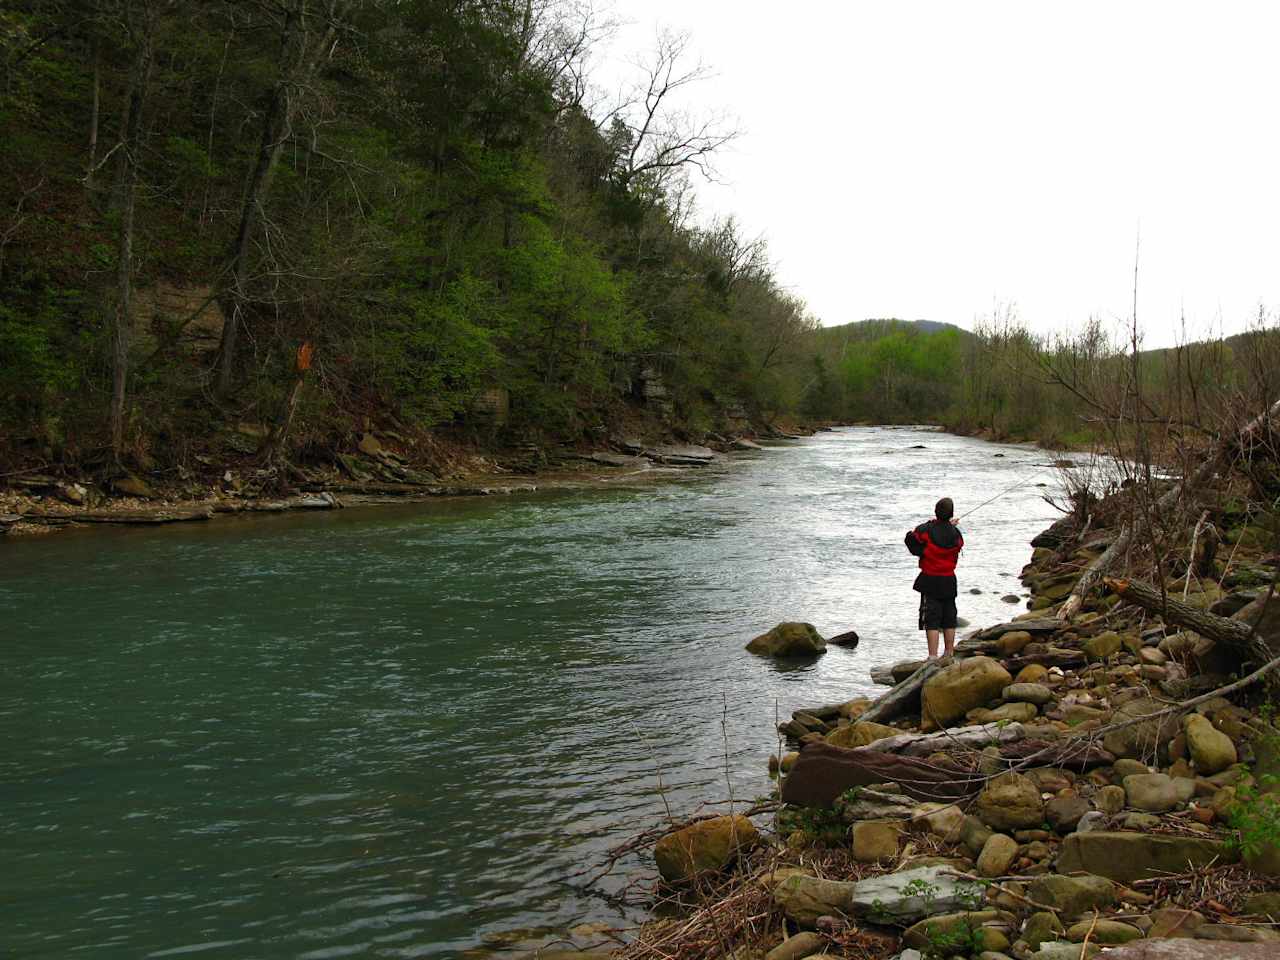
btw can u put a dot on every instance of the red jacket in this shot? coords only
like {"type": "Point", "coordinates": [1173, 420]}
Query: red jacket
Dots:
{"type": "Point", "coordinates": [938, 544]}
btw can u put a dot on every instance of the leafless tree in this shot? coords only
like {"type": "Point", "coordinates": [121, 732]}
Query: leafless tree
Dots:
{"type": "Point", "coordinates": [308, 31]}
{"type": "Point", "coordinates": [660, 135]}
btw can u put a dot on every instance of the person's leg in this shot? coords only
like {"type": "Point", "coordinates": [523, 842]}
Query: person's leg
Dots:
{"type": "Point", "coordinates": [949, 637]}
{"type": "Point", "coordinates": [931, 637]}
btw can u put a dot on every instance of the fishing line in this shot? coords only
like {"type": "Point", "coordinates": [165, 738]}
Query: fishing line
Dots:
{"type": "Point", "coordinates": [1002, 493]}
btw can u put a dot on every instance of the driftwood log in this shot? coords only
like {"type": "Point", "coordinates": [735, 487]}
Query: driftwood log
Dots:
{"type": "Point", "coordinates": [822, 772]}
{"type": "Point", "coordinates": [1237, 634]}
{"type": "Point", "coordinates": [105, 516]}
{"type": "Point", "coordinates": [904, 697]}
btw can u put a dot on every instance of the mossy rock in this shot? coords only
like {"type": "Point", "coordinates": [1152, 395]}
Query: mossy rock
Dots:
{"type": "Point", "coordinates": [706, 846]}
{"type": "Point", "coordinates": [789, 640]}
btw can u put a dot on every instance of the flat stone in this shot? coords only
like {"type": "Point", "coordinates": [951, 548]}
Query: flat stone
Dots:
{"type": "Point", "coordinates": [804, 898]}
{"type": "Point", "coordinates": [1174, 922]}
{"type": "Point", "coordinates": [1072, 895]}
{"type": "Point", "coordinates": [1263, 904]}
{"type": "Point", "coordinates": [1036, 693]}
{"type": "Point", "coordinates": [911, 895]}
{"type": "Point", "coordinates": [1137, 856]}
{"type": "Point", "coordinates": [1190, 950]}
{"type": "Point", "coordinates": [1008, 713]}
{"type": "Point", "coordinates": [1237, 933]}
{"type": "Point", "coordinates": [1103, 931]}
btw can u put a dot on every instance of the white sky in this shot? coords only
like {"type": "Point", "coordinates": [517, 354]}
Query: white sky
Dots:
{"type": "Point", "coordinates": [929, 159]}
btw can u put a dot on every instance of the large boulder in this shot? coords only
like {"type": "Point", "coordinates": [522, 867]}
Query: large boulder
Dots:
{"type": "Point", "coordinates": [709, 845]}
{"type": "Point", "coordinates": [963, 686]}
{"type": "Point", "coordinates": [789, 640]}
{"type": "Point", "coordinates": [1126, 857]}
{"type": "Point", "coordinates": [1010, 802]}
{"type": "Point", "coordinates": [1211, 749]}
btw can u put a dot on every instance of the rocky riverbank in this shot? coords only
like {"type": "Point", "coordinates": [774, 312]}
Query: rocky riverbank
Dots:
{"type": "Point", "coordinates": [1061, 787]}
{"type": "Point", "coordinates": [386, 467]}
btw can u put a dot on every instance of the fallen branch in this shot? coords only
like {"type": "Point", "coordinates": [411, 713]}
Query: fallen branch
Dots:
{"type": "Point", "coordinates": [1237, 635]}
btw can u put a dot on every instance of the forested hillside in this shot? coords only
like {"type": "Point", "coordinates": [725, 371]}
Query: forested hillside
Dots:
{"type": "Point", "coordinates": [299, 214]}
{"type": "Point", "coordinates": [262, 228]}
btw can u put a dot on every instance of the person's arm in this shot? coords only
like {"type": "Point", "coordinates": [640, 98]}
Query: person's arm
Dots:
{"type": "Point", "coordinates": [914, 544]}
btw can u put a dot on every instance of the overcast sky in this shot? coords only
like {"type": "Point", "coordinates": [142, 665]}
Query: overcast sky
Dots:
{"type": "Point", "coordinates": [932, 159]}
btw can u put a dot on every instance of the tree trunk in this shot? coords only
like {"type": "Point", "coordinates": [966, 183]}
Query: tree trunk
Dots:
{"type": "Point", "coordinates": [1236, 635]}
{"type": "Point", "coordinates": [300, 56]}
{"type": "Point", "coordinates": [93, 116]}
{"type": "Point", "coordinates": [126, 182]}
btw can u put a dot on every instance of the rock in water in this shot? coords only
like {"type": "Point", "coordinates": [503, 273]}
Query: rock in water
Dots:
{"type": "Point", "coordinates": [789, 640]}
{"type": "Point", "coordinates": [709, 845]}
{"type": "Point", "coordinates": [847, 639]}
{"type": "Point", "coordinates": [955, 690]}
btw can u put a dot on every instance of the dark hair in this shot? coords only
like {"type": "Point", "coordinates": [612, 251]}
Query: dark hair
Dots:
{"type": "Point", "coordinates": [945, 509]}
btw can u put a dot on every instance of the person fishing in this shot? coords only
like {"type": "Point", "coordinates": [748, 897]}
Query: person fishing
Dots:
{"type": "Point", "coordinates": [937, 543]}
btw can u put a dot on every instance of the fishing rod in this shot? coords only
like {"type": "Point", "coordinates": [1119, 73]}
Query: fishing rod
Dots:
{"type": "Point", "coordinates": [1002, 493]}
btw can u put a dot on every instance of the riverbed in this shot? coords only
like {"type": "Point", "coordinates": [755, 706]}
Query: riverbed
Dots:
{"type": "Point", "coordinates": [394, 731]}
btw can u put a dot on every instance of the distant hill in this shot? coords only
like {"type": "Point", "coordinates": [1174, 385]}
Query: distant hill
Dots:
{"type": "Point", "coordinates": [873, 329]}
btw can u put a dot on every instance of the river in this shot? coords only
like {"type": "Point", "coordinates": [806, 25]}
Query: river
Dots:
{"type": "Point", "coordinates": [389, 732]}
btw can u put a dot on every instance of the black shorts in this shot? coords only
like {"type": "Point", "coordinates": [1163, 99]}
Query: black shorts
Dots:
{"type": "Point", "coordinates": [937, 613]}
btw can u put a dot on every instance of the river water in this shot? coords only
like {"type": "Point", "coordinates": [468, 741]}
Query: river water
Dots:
{"type": "Point", "coordinates": [390, 732]}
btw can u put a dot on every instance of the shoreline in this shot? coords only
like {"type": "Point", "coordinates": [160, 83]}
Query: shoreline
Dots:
{"type": "Point", "coordinates": [869, 793]}
{"type": "Point", "coordinates": [46, 504]}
